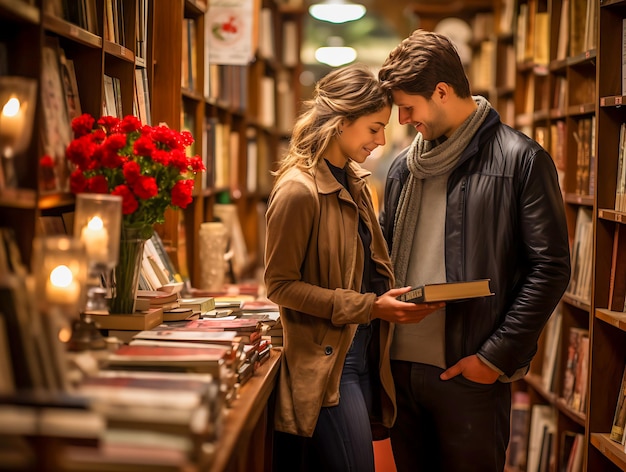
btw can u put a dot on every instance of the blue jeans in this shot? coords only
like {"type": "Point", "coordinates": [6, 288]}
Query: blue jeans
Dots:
{"type": "Point", "coordinates": [342, 440]}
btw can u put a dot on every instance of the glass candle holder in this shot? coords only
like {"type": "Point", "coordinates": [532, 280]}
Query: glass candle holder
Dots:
{"type": "Point", "coordinates": [97, 223]}
{"type": "Point", "coordinates": [60, 270]}
{"type": "Point", "coordinates": [18, 98]}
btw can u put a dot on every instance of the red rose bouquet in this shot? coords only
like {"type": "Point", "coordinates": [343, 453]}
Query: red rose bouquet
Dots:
{"type": "Point", "coordinates": [146, 165]}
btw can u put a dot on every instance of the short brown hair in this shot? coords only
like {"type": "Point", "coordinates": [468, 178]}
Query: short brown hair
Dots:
{"type": "Point", "coordinates": [420, 62]}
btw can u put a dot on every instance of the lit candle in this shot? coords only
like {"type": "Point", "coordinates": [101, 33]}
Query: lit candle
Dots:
{"type": "Point", "coordinates": [61, 287]}
{"type": "Point", "coordinates": [96, 239]}
{"type": "Point", "coordinates": [11, 121]}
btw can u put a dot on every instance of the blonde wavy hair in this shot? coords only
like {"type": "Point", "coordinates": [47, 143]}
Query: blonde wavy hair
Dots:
{"type": "Point", "coordinates": [346, 93]}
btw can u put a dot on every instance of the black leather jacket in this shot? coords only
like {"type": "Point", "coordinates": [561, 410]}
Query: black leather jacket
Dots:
{"type": "Point", "coordinates": [505, 221]}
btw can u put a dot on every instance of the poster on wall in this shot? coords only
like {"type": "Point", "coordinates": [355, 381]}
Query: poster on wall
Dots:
{"type": "Point", "coordinates": [230, 29]}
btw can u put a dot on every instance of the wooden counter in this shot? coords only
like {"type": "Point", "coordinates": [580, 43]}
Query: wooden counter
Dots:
{"type": "Point", "coordinates": [245, 444]}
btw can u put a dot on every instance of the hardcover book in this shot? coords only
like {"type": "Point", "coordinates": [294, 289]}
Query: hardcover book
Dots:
{"type": "Point", "coordinates": [139, 320]}
{"type": "Point", "coordinates": [201, 304]}
{"type": "Point", "coordinates": [448, 291]}
{"type": "Point", "coordinates": [167, 358]}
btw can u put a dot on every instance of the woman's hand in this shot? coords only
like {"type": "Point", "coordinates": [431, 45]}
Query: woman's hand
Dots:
{"type": "Point", "coordinates": [387, 307]}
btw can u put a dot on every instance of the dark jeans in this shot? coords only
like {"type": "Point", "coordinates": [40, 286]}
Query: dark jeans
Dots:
{"type": "Point", "coordinates": [448, 426]}
{"type": "Point", "coordinates": [342, 440]}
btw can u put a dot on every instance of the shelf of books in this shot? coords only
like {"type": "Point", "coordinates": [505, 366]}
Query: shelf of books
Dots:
{"type": "Point", "coordinates": [556, 104]}
{"type": "Point", "coordinates": [239, 99]}
{"type": "Point", "coordinates": [151, 59]}
{"type": "Point", "coordinates": [605, 422]}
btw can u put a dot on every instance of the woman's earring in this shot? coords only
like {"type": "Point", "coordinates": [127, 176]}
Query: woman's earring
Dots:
{"type": "Point", "coordinates": [340, 131]}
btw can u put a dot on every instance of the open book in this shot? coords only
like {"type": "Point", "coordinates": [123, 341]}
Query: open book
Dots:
{"type": "Point", "coordinates": [448, 291]}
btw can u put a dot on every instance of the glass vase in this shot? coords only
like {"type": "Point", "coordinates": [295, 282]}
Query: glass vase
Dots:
{"type": "Point", "coordinates": [126, 273]}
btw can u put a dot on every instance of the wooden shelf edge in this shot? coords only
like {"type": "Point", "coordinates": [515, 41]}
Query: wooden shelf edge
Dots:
{"type": "Point", "coordinates": [611, 215]}
{"type": "Point", "coordinates": [20, 11]}
{"type": "Point", "coordinates": [608, 3]}
{"type": "Point", "coordinates": [119, 51]}
{"type": "Point", "coordinates": [609, 449]}
{"type": "Point", "coordinates": [70, 30]}
{"type": "Point", "coordinates": [575, 415]}
{"type": "Point", "coordinates": [614, 318]}
{"type": "Point", "coordinates": [536, 382]}
{"type": "Point", "coordinates": [577, 199]}
{"type": "Point", "coordinates": [576, 302]}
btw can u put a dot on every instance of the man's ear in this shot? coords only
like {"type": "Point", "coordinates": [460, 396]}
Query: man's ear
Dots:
{"type": "Point", "coordinates": [442, 92]}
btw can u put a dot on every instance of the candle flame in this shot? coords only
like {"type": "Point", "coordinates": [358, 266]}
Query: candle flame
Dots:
{"type": "Point", "coordinates": [12, 107]}
{"type": "Point", "coordinates": [61, 276]}
{"type": "Point", "coordinates": [95, 223]}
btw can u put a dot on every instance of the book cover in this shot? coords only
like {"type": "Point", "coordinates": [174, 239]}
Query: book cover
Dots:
{"type": "Point", "coordinates": [136, 321]}
{"type": "Point", "coordinates": [617, 278]}
{"type": "Point", "coordinates": [179, 314]}
{"type": "Point", "coordinates": [619, 420]}
{"type": "Point", "coordinates": [207, 360]}
{"type": "Point", "coordinates": [201, 304]}
{"type": "Point", "coordinates": [238, 324]}
{"type": "Point", "coordinates": [168, 334]}
{"type": "Point", "coordinates": [448, 291]}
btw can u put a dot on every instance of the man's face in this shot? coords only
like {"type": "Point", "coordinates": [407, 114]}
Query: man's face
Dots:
{"type": "Point", "coordinates": [425, 115]}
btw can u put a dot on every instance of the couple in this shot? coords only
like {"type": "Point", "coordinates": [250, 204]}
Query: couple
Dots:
{"type": "Point", "coordinates": [470, 198]}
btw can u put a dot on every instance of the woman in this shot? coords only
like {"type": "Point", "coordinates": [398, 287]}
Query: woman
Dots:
{"type": "Point", "coordinates": [328, 269]}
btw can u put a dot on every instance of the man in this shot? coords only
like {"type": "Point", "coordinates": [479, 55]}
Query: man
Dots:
{"type": "Point", "coordinates": [469, 199]}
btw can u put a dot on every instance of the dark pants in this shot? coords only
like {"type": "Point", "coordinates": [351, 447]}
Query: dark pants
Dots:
{"type": "Point", "coordinates": [342, 440]}
{"type": "Point", "coordinates": [448, 426]}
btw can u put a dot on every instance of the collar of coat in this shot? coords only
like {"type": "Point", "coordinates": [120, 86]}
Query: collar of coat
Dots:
{"type": "Point", "coordinates": [327, 183]}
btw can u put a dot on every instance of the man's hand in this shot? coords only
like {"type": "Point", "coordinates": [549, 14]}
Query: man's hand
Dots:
{"type": "Point", "coordinates": [387, 307]}
{"type": "Point", "coordinates": [472, 368]}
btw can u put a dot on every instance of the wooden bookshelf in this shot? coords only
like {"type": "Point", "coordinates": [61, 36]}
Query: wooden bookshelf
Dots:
{"type": "Point", "coordinates": [582, 114]}
{"type": "Point", "coordinates": [236, 114]}
{"type": "Point", "coordinates": [185, 94]}
{"type": "Point", "coordinates": [151, 35]}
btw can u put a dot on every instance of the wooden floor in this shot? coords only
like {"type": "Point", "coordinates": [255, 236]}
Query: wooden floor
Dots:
{"type": "Point", "coordinates": [383, 458]}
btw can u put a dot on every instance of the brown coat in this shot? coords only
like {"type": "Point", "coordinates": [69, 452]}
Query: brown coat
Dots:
{"type": "Point", "coordinates": [314, 267]}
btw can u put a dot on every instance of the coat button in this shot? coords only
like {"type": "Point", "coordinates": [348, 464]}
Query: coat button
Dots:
{"type": "Point", "coordinates": [328, 350]}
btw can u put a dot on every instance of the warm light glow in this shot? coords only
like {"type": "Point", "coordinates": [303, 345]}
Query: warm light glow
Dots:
{"type": "Point", "coordinates": [96, 239]}
{"type": "Point", "coordinates": [95, 224]}
{"type": "Point", "coordinates": [62, 288]}
{"type": "Point", "coordinates": [335, 56]}
{"type": "Point", "coordinates": [12, 107]}
{"type": "Point", "coordinates": [61, 276]}
{"type": "Point", "coordinates": [337, 11]}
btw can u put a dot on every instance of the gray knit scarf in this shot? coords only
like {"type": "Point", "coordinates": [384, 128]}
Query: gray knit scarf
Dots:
{"type": "Point", "coordinates": [427, 159]}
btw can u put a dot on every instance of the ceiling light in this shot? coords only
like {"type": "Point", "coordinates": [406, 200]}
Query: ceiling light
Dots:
{"type": "Point", "coordinates": [335, 56]}
{"type": "Point", "coordinates": [337, 11]}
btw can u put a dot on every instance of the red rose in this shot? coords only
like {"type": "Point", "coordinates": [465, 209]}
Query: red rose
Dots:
{"type": "Point", "coordinates": [78, 182]}
{"type": "Point", "coordinates": [131, 171]}
{"type": "Point", "coordinates": [98, 184]}
{"type": "Point", "coordinates": [144, 146]}
{"type": "Point", "coordinates": [109, 123]}
{"type": "Point", "coordinates": [129, 202]}
{"type": "Point", "coordinates": [145, 187]}
{"type": "Point", "coordinates": [196, 164]}
{"type": "Point", "coordinates": [181, 193]}
{"type": "Point", "coordinates": [80, 150]}
{"type": "Point", "coordinates": [82, 125]}
{"type": "Point", "coordinates": [129, 124]}
{"type": "Point", "coordinates": [161, 157]}
{"type": "Point", "coordinates": [179, 159]}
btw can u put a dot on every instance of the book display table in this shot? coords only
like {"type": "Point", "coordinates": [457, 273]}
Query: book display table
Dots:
{"type": "Point", "coordinates": [246, 440]}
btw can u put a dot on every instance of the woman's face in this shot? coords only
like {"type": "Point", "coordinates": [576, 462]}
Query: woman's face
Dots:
{"type": "Point", "coordinates": [359, 138]}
